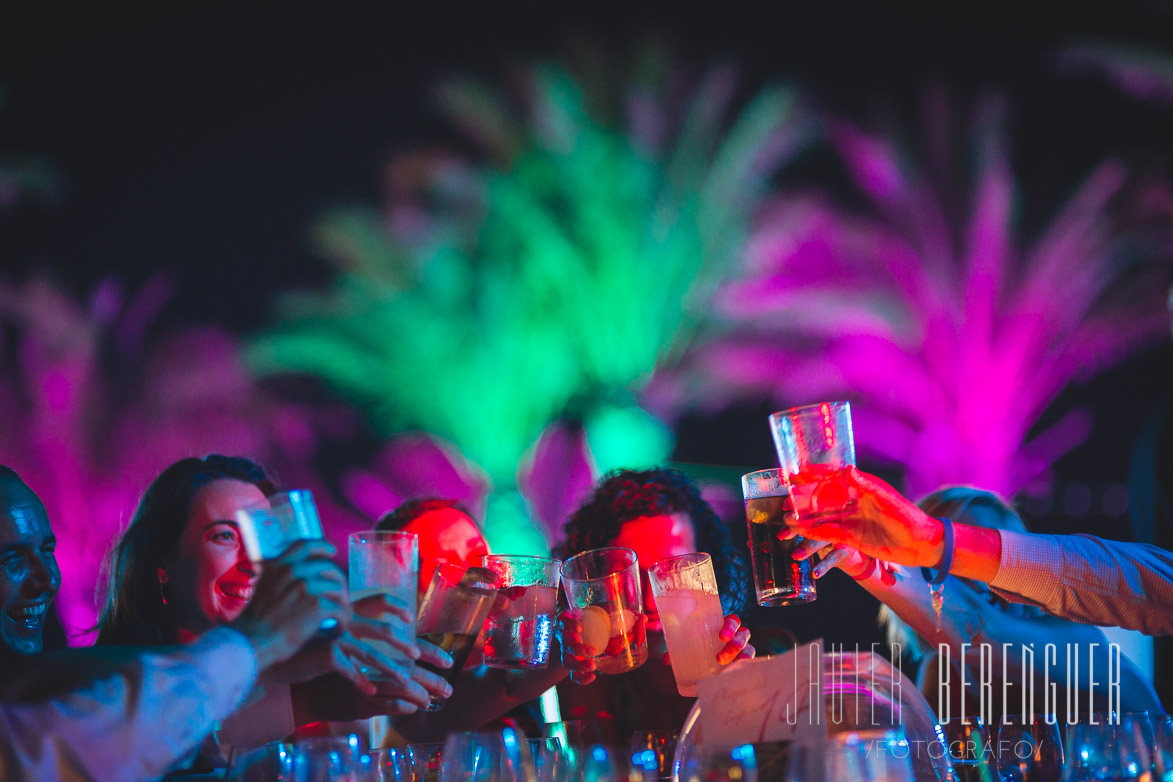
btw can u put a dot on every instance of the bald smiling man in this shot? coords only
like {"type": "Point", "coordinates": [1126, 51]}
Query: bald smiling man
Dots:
{"type": "Point", "coordinates": [29, 576]}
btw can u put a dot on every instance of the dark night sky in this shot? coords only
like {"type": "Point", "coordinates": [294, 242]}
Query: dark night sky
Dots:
{"type": "Point", "coordinates": [204, 140]}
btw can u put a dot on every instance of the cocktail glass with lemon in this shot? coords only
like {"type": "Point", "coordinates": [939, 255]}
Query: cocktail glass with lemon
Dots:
{"type": "Point", "coordinates": [603, 591]}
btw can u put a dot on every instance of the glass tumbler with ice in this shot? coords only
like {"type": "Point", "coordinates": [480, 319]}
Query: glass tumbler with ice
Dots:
{"type": "Point", "coordinates": [520, 624]}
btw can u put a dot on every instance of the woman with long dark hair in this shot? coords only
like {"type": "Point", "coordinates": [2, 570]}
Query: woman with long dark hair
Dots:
{"type": "Point", "coordinates": [180, 569]}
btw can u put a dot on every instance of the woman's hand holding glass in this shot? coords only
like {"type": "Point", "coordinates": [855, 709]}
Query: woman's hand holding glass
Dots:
{"type": "Point", "coordinates": [298, 591]}
{"type": "Point", "coordinates": [736, 639]}
{"type": "Point", "coordinates": [577, 657]}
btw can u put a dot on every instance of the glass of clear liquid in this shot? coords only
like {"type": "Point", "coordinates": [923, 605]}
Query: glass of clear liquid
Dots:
{"type": "Point", "coordinates": [386, 563]}
{"type": "Point", "coordinates": [520, 625]}
{"type": "Point", "coordinates": [689, 605]}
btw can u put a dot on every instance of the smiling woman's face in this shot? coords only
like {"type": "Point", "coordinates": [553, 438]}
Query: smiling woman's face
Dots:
{"type": "Point", "coordinates": [211, 579]}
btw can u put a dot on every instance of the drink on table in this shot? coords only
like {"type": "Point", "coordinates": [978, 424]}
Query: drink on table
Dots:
{"type": "Point", "coordinates": [815, 446]}
{"type": "Point", "coordinates": [971, 752]}
{"type": "Point", "coordinates": [520, 625]}
{"type": "Point", "coordinates": [652, 753]}
{"type": "Point", "coordinates": [685, 591]}
{"type": "Point", "coordinates": [603, 590]}
{"type": "Point", "coordinates": [778, 579]}
{"type": "Point", "coordinates": [452, 612]}
{"type": "Point", "coordinates": [386, 563]}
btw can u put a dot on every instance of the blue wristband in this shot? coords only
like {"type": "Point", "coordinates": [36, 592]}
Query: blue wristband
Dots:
{"type": "Point", "coordinates": [946, 557]}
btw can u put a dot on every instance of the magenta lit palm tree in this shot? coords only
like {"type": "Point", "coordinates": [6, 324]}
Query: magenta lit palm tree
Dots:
{"type": "Point", "coordinates": [92, 408]}
{"type": "Point", "coordinates": [951, 330]}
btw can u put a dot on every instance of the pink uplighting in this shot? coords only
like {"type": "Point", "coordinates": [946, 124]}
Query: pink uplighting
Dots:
{"type": "Point", "coordinates": [951, 334]}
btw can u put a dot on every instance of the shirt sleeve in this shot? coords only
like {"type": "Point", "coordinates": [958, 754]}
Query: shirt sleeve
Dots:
{"type": "Point", "coordinates": [1089, 579]}
{"type": "Point", "coordinates": [134, 724]}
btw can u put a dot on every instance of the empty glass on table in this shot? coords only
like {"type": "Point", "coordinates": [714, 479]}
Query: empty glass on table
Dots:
{"type": "Point", "coordinates": [1030, 748]}
{"type": "Point", "coordinates": [652, 752]}
{"type": "Point", "coordinates": [487, 757]}
{"type": "Point", "coordinates": [1103, 750]}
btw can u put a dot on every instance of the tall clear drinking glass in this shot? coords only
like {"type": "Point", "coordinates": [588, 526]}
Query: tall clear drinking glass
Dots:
{"type": "Point", "coordinates": [426, 761]}
{"type": "Point", "coordinates": [386, 563]}
{"type": "Point", "coordinates": [689, 605]}
{"type": "Point", "coordinates": [652, 752]}
{"type": "Point", "coordinates": [815, 445]}
{"type": "Point", "coordinates": [778, 579]}
{"type": "Point", "coordinates": [392, 765]}
{"type": "Point", "coordinates": [520, 624]}
{"type": "Point", "coordinates": [603, 589]}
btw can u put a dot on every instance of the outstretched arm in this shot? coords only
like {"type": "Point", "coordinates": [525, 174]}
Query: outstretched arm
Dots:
{"type": "Point", "coordinates": [969, 619]}
{"type": "Point", "coordinates": [1077, 577]}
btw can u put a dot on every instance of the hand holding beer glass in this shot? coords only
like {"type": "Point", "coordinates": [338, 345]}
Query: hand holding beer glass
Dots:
{"type": "Point", "coordinates": [778, 578]}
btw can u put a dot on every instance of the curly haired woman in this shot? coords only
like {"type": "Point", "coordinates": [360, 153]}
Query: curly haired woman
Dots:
{"type": "Point", "coordinates": [656, 513]}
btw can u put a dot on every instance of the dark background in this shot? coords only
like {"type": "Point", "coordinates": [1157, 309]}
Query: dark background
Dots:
{"type": "Point", "coordinates": [204, 141]}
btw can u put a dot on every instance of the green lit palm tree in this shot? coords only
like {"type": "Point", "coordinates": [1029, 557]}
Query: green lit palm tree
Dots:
{"type": "Point", "coordinates": [552, 276]}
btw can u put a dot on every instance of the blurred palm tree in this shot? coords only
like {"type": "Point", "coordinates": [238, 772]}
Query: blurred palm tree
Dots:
{"type": "Point", "coordinates": [547, 277]}
{"type": "Point", "coordinates": [1142, 72]}
{"type": "Point", "coordinates": [94, 404]}
{"type": "Point", "coordinates": [927, 305]}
